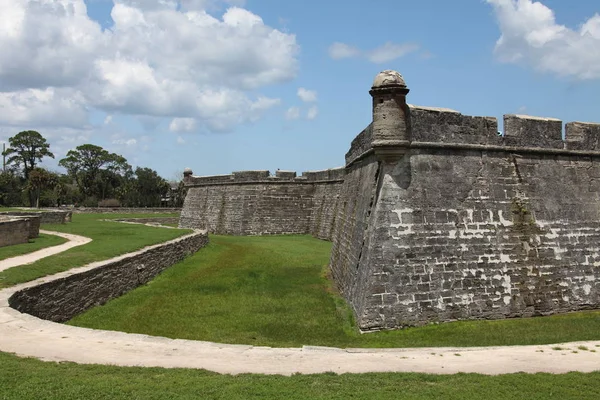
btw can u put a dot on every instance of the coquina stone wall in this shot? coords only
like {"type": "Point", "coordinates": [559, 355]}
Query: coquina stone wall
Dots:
{"type": "Point", "coordinates": [126, 210]}
{"type": "Point", "coordinates": [14, 230]}
{"type": "Point", "coordinates": [45, 216]}
{"type": "Point", "coordinates": [155, 220]}
{"type": "Point", "coordinates": [256, 203]}
{"type": "Point", "coordinates": [437, 217]}
{"type": "Point", "coordinates": [457, 222]}
{"type": "Point", "coordinates": [62, 299]}
{"type": "Point", "coordinates": [33, 222]}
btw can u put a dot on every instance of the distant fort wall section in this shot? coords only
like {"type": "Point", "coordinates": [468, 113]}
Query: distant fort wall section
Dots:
{"type": "Point", "coordinates": [435, 216]}
{"type": "Point", "coordinates": [257, 203]}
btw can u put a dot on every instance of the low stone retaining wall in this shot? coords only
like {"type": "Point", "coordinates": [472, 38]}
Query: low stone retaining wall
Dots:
{"type": "Point", "coordinates": [124, 210]}
{"type": "Point", "coordinates": [56, 217]}
{"type": "Point", "coordinates": [14, 231]}
{"type": "Point", "coordinates": [62, 299]}
{"type": "Point", "coordinates": [46, 216]}
{"type": "Point", "coordinates": [34, 223]}
{"type": "Point", "coordinates": [156, 220]}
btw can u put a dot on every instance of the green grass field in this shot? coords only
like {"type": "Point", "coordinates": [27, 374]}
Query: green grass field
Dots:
{"type": "Point", "coordinates": [272, 291]}
{"type": "Point", "coordinates": [41, 242]}
{"type": "Point", "coordinates": [109, 239]}
{"type": "Point", "coordinates": [268, 290]}
{"type": "Point", "coordinates": [31, 379]}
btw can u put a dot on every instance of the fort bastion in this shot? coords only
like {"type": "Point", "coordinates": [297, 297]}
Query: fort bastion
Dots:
{"type": "Point", "coordinates": [435, 216]}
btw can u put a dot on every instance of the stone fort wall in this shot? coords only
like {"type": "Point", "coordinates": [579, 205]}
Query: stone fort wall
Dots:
{"type": "Point", "coordinates": [436, 217]}
{"type": "Point", "coordinates": [256, 203]}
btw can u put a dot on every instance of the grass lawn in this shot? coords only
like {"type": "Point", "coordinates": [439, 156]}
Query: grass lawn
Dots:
{"type": "Point", "coordinates": [266, 290]}
{"type": "Point", "coordinates": [271, 291]}
{"type": "Point", "coordinates": [31, 379]}
{"type": "Point", "coordinates": [36, 244]}
{"type": "Point", "coordinates": [109, 239]}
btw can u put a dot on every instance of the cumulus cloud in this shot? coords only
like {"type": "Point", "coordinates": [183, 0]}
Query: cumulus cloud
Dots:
{"type": "Point", "coordinates": [184, 4]}
{"type": "Point", "coordinates": [292, 113]}
{"type": "Point", "coordinates": [312, 113]}
{"type": "Point", "coordinates": [390, 51]}
{"type": "Point", "coordinates": [125, 142]}
{"type": "Point", "coordinates": [531, 36]}
{"type": "Point", "coordinates": [387, 52]}
{"type": "Point", "coordinates": [183, 125]}
{"type": "Point", "coordinates": [307, 96]}
{"type": "Point", "coordinates": [339, 50]}
{"type": "Point", "coordinates": [57, 61]}
{"type": "Point", "coordinates": [46, 43]}
{"type": "Point", "coordinates": [49, 107]}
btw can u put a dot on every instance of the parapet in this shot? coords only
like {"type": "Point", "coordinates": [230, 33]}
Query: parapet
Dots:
{"type": "Point", "coordinates": [582, 136]}
{"type": "Point", "coordinates": [207, 180]}
{"type": "Point", "coordinates": [263, 176]}
{"type": "Point", "coordinates": [528, 131]}
{"type": "Point", "coordinates": [249, 176]}
{"type": "Point", "coordinates": [360, 145]}
{"type": "Point", "coordinates": [285, 174]}
{"type": "Point", "coordinates": [431, 124]}
{"type": "Point", "coordinates": [432, 127]}
{"type": "Point", "coordinates": [333, 174]}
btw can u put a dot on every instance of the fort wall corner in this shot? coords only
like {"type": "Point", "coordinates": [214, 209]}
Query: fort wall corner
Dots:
{"type": "Point", "coordinates": [435, 216]}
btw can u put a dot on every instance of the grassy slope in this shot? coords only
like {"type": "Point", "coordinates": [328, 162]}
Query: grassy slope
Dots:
{"type": "Point", "coordinates": [271, 291]}
{"type": "Point", "coordinates": [109, 239]}
{"type": "Point", "coordinates": [36, 244]}
{"type": "Point", "coordinates": [32, 379]}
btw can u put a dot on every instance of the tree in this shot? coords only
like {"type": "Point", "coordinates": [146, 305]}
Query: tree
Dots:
{"type": "Point", "coordinates": [11, 189]}
{"type": "Point", "coordinates": [150, 187]}
{"type": "Point", "coordinates": [178, 193]}
{"type": "Point", "coordinates": [26, 149]}
{"type": "Point", "coordinates": [94, 169]}
{"type": "Point", "coordinates": [40, 179]}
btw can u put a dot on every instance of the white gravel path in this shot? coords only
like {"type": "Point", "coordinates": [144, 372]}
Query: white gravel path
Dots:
{"type": "Point", "coordinates": [29, 336]}
{"type": "Point", "coordinates": [74, 241]}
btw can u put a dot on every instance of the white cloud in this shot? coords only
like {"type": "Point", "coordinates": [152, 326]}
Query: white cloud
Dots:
{"type": "Point", "coordinates": [183, 125]}
{"type": "Point", "coordinates": [187, 5]}
{"type": "Point", "coordinates": [292, 113]}
{"type": "Point", "coordinates": [46, 43]}
{"type": "Point", "coordinates": [125, 142]}
{"type": "Point", "coordinates": [57, 61]}
{"type": "Point", "coordinates": [48, 107]}
{"type": "Point", "coordinates": [531, 36]}
{"type": "Point", "coordinates": [390, 51]}
{"type": "Point", "coordinates": [108, 119]}
{"type": "Point", "coordinates": [312, 113]}
{"type": "Point", "coordinates": [339, 50]}
{"type": "Point", "coordinates": [307, 96]}
{"type": "Point", "coordinates": [180, 140]}
{"type": "Point", "coordinates": [387, 52]}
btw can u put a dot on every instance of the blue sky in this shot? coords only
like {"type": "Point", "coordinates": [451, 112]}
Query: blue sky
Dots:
{"type": "Point", "coordinates": [221, 86]}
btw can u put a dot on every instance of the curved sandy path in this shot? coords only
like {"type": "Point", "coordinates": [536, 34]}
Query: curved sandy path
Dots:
{"type": "Point", "coordinates": [26, 335]}
{"type": "Point", "coordinates": [73, 241]}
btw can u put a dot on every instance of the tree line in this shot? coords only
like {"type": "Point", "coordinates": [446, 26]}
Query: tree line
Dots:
{"type": "Point", "coordinates": [95, 178]}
